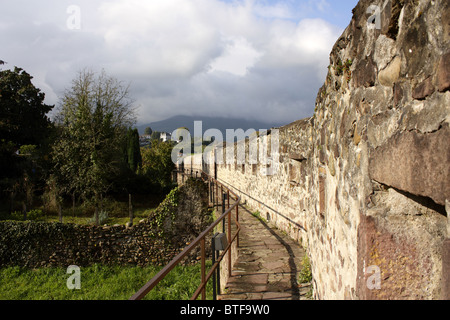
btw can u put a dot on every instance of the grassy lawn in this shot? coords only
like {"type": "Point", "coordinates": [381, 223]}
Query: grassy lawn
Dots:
{"type": "Point", "coordinates": [115, 209]}
{"type": "Point", "coordinates": [98, 282]}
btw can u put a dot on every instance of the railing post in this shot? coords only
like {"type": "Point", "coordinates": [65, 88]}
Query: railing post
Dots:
{"type": "Point", "coordinates": [213, 251]}
{"type": "Point", "coordinates": [237, 219]}
{"type": "Point", "coordinates": [217, 195]}
{"type": "Point", "coordinates": [203, 254]}
{"type": "Point", "coordinates": [229, 241]}
{"type": "Point", "coordinates": [214, 194]}
{"type": "Point", "coordinates": [211, 192]}
{"type": "Point", "coordinates": [223, 210]}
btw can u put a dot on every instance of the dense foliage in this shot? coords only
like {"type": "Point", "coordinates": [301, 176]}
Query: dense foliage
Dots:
{"type": "Point", "coordinates": [25, 134]}
{"type": "Point", "coordinates": [93, 123]}
{"type": "Point", "coordinates": [157, 164]}
{"type": "Point", "coordinates": [88, 152]}
{"type": "Point", "coordinates": [23, 115]}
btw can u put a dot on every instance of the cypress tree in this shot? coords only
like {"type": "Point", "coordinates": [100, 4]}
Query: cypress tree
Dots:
{"type": "Point", "coordinates": [133, 150]}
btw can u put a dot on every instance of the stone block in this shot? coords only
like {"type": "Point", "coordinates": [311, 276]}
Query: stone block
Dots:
{"type": "Point", "coordinates": [322, 198]}
{"type": "Point", "coordinates": [356, 136]}
{"type": "Point", "coordinates": [398, 93]}
{"type": "Point", "coordinates": [446, 270]}
{"type": "Point", "coordinates": [416, 163]}
{"type": "Point", "coordinates": [443, 73]}
{"type": "Point", "coordinates": [415, 46]}
{"type": "Point", "coordinates": [423, 89]}
{"type": "Point", "coordinates": [388, 76]}
{"type": "Point", "coordinates": [403, 268]}
{"type": "Point", "coordinates": [364, 74]}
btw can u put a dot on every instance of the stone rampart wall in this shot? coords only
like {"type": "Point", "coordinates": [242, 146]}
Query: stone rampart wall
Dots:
{"type": "Point", "coordinates": [363, 184]}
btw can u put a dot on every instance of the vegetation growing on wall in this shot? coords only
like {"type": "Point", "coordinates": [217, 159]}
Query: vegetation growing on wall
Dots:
{"type": "Point", "coordinates": [156, 240]}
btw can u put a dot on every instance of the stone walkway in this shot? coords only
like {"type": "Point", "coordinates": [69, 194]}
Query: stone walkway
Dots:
{"type": "Point", "coordinates": [268, 264]}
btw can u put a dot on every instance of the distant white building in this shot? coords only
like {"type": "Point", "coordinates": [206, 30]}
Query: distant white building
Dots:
{"type": "Point", "coordinates": [165, 136]}
{"type": "Point", "coordinates": [144, 140]}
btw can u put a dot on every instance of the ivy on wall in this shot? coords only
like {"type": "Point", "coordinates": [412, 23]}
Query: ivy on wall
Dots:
{"type": "Point", "coordinates": [153, 241]}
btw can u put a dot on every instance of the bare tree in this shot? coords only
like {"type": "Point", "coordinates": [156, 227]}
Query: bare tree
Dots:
{"type": "Point", "coordinates": [93, 120]}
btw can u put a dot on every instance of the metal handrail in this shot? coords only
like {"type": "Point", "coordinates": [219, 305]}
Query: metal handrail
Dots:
{"type": "Point", "coordinates": [200, 240]}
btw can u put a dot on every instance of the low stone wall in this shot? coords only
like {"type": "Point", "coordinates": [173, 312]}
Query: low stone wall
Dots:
{"type": "Point", "coordinates": [153, 241]}
{"type": "Point", "coordinates": [35, 245]}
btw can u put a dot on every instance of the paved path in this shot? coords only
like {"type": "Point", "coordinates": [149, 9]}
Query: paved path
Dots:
{"type": "Point", "coordinates": [268, 264]}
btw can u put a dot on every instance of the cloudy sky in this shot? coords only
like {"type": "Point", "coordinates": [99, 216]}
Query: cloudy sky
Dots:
{"type": "Point", "coordinates": [256, 59]}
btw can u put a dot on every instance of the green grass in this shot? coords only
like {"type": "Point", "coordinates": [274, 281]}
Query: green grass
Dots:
{"type": "Point", "coordinates": [98, 282]}
{"type": "Point", "coordinates": [117, 212]}
{"type": "Point", "coordinates": [85, 219]}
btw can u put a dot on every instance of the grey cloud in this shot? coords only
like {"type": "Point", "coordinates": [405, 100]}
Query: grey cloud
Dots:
{"type": "Point", "coordinates": [168, 64]}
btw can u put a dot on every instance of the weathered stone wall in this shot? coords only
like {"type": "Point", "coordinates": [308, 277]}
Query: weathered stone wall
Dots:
{"type": "Point", "coordinates": [194, 164]}
{"type": "Point", "coordinates": [363, 183]}
{"type": "Point", "coordinates": [385, 123]}
{"type": "Point", "coordinates": [284, 197]}
{"type": "Point", "coordinates": [36, 245]}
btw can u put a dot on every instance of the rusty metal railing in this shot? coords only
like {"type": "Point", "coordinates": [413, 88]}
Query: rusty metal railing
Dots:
{"type": "Point", "coordinates": [201, 241]}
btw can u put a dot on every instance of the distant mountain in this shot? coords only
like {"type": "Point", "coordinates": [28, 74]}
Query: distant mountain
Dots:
{"type": "Point", "coordinates": [222, 124]}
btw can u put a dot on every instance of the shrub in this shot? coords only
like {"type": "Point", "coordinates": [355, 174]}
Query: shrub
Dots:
{"type": "Point", "coordinates": [36, 215]}
{"type": "Point", "coordinates": [102, 217]}
{"type": "Point", "coordinates": [305, 275]}
{"type": "Point", "coordinates": [17, 215]}
{"type": "Point", "coordinates": [32, 215]}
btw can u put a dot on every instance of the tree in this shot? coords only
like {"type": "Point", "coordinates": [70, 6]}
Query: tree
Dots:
{"type": "Point", "coordinates": [157, 163]}
{"type": "Point", "coordinates": [134, 158]}
{"type": "Point", "coordinates": [148, 131]}
{"type": "Point", "coordinates": [93, 120]}
{"type": "Point", "coordinates": [23, 122]}
{"type": "Point", "coordinates": [156, 135]}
